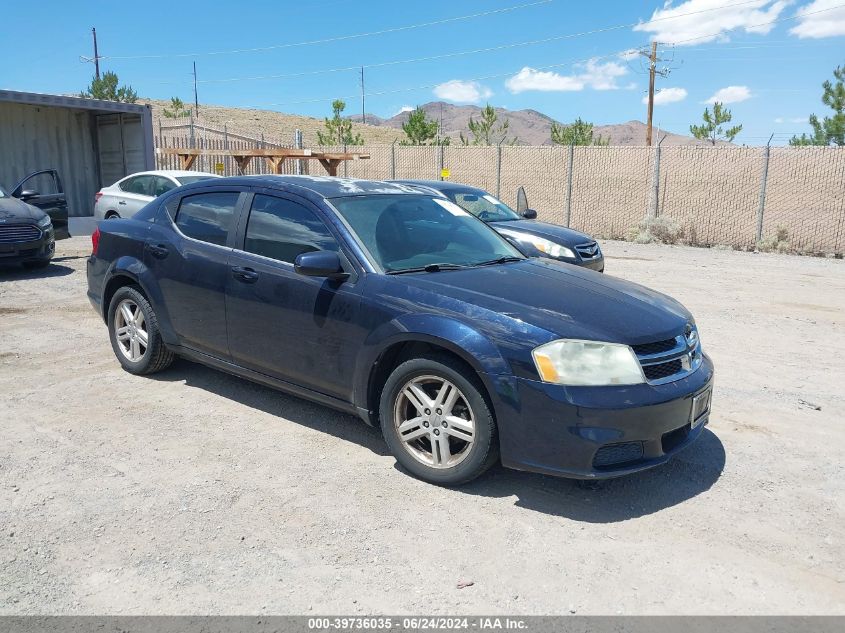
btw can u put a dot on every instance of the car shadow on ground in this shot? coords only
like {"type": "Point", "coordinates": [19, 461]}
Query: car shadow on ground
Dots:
{"type": "Point", "coordinates": [277, 403]}
{"type": "Point", "coordinates": [12, 272]}
{"type": "Point", "coordinates": [692, 472]}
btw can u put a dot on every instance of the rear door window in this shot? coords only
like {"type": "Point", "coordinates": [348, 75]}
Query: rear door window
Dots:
{"type": "Point", "coordinates": [282, 229]}
{"type": "Point", "coordinates": [162, 185]}
{"type": "Point", "coordinates": [208, 217]}
{"type": "Point", "coordinates": [141, 185]}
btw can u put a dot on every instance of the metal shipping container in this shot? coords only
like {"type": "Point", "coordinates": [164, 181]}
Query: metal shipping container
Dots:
{"type": "Point", "coordinates": [92, 143]}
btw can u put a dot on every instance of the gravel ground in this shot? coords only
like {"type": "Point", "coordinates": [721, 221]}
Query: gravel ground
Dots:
{"type": "Point", "coordinates": [196, 492]}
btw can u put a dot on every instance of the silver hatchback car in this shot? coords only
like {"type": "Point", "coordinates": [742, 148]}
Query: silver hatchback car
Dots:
{"type": "Point", "coordinates": [129, 195]}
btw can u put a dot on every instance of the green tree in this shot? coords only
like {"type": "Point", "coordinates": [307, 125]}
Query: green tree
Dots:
{"type": "Point", "coordinates": [577, 133]}
{"type": "Point", "coordinates": [485, 130]}
{"type": "Point", "coordinates": [712, 130]}
{"type": "Point", "coordinates": [419, 130]}
{"type": "Point", "coordinates": [106, 88]}
{"type": "Point", "coordinates": [338, 129]}
{"type": "Point", "coordinates": [831, 129]}
{"type": "Point", "coordinates": [177, 109]}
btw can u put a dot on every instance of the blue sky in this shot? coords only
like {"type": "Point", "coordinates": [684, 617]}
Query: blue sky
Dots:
{"type": "Point", "coordinates": [769, 73]}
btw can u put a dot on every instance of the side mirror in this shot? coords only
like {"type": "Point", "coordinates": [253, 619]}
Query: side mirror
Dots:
{"type": "Point", "coordinates": [320, 264]}
{"type": "Point", "coordinates": [27, 194]}
{"type": "Point", "coordinates": [521, 200]}
{"type": "Point", "coordinates": [529, 214]}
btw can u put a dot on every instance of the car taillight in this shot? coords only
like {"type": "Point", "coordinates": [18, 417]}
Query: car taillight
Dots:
{"type": "Point", "coordinates": [97, 196]}
{"type": "Point", "coordinates": [95, 241]}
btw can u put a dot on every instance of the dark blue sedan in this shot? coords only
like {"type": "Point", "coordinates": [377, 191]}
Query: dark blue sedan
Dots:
{"type": "Point", "coordinates": [405, 309]}
{"type": "Point", "coordinates": [534, 238]}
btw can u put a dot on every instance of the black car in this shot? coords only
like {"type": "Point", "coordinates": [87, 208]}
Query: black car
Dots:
{"type": "Point", "coordinates": [30, 222]}
{"type": "Point", "coordinates": [397, 305]}
{"type": "Point", "coordinates": [534, 238]}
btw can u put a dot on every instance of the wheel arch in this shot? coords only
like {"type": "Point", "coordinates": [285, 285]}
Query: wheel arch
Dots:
{"type": "Point", "coordinates": [127, 271]}
{"type": "Point", "coordinates": [437, 336]}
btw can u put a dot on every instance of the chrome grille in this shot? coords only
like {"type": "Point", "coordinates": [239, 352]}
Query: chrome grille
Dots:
{"type": "Point", "coordinates": [590, 250]}
{"type": "Point", "coordinates": [18, 233]}
{"type": "Point", "coordinates": [670, 359]}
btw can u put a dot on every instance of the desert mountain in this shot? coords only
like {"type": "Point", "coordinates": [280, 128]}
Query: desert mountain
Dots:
{"type": "Point", "coordinates": [529, 126]}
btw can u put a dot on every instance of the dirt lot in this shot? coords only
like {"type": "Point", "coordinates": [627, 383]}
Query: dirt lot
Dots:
{"type": "Point", "coordinates": [197, 492]}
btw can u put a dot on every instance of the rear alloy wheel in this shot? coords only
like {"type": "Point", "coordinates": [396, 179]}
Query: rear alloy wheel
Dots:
{"type": "Point", "coordinates": [436, 421]}
{"type": "Point", "coordinates": [134, 333]}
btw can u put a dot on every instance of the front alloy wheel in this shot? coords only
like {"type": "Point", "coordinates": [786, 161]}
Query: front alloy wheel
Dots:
{"type": "Point", "coordinates": [436, 420]}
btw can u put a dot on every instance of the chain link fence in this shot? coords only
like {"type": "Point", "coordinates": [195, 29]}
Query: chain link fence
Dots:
{"type": "Point", "coordinates": [788, 199]}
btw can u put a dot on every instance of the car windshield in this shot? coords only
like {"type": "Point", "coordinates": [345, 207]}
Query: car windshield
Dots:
{"type": "Point", "coordinates": [483, 206]}
{"type": "Point", "coordinates": [187, 180]}
{"type": "Point", "coordinates": [411, 232]}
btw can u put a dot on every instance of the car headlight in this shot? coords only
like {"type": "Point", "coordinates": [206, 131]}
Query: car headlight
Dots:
{"type": "Point", "coordinates": [587, 363]}
{"type": "Point", "coordinates": [541, 244]}
{"type": "Point", "coordinates": [45, 222]}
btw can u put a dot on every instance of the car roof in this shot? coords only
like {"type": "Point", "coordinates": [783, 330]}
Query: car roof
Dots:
{"type": "Point", "coordinates": [170, 172]}
{"type": "Point", "coordinates": [320, 186]}
{"type": "Point", "coordinates": [442, 185]}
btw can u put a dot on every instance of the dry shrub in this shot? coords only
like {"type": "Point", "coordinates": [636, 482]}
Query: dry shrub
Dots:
{"type": "Point", "coordinates": [656, 231]}
{"type": "Point", "coordinates": [777, 243]}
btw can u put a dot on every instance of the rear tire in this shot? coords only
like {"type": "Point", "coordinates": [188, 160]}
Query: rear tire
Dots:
{"type": "Point", "coordinates": [134, 334]}
{"type": "Point", "coordinates": [436, 421]}
{"type": "Point", "coordinates": [112, 215]}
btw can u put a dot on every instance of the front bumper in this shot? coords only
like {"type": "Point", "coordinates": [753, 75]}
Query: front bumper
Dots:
{"type": "Point", "coordinates": [596, 432]}
{"type": "Point", "coordinates": [36, 250]}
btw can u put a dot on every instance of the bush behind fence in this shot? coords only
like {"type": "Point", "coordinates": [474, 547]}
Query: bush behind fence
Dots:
{"type": "Point", "coordinates": [732, 196]}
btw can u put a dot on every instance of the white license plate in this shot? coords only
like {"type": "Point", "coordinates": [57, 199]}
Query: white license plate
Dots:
{"type": "Point", "coordinates": [700, 408]}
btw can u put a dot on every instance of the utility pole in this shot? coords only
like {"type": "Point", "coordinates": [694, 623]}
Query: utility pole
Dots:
{"type": "Point", "coordinates": [363, 109]}
{"type": "Point", "coordinates": [652, 76]}
{"type": "Point", "coordinates": [652, 66]}
{"type": "Point", "coordinates": [96, 56]}
{"type": "Point", "coordinates": [196, 100]}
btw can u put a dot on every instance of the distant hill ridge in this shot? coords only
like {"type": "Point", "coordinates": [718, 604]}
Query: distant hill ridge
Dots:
{"type": "Point", "coordinates": [529, 126]}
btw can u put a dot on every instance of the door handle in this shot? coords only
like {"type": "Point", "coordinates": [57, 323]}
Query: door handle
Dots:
{"type": "Point", "coordinates": [122, 202]}
{"type": "Point", "coordinates": [246, 275]}
{"type": "Point", "coordinates": [158, 250]}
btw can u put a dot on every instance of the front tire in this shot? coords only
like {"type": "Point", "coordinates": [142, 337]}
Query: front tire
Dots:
{"type": "Point", "coordinates": [437, 422]}
{"type": "Point", "coordinates": [134, 333]}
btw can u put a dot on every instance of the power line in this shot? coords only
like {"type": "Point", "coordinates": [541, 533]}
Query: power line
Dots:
{"type": "Point", "coordinates": [339, 37]}
{"type": "Point", "coordinates": [546, 67]}
{"type": "Point", "coordinates": [489, 49]}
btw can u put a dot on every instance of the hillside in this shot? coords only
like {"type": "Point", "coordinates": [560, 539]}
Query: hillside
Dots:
{"type": "Point", "coordinates": [275, 126]}
{"type": "Point", "coordinates": [529, 126]}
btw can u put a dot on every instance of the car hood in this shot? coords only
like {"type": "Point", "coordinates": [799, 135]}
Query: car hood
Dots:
{"type": "Point", "coordinates": [553, 232]}
{"type": "Point", "coordinates": [14, 210]}
{"type": "Point", "coordinates": [567, 301]}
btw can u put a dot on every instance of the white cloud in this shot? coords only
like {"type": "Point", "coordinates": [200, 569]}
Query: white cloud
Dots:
{"type": "Point", "coordinates": [631, 53]}
{"type": "Point", "coordinates": [779, 119]}
{"type": "Point", "coordinates": [714, 23]}
{"type": "Point", "coordinates": [730, 94]}
{"type": "Point", "coordinates": [593, 75]}
{"type": "Point", "coordinates": [668, 95]}
{"type": "Point", "coordinates": [462, 91]}
{"type": "Point", "coordinates": [544, 81]}
{"type": "Point", "coordinates": [403, 109]}
{"type": "Point", "coordinates": [827, 24]}
{"type": "Point", "coordinates": [797, 119]}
